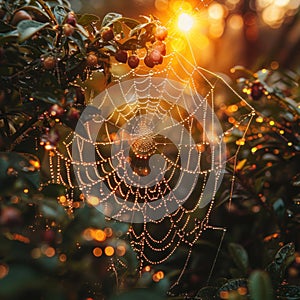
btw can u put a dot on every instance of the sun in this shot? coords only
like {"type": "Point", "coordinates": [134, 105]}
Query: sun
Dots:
{"type": "Point", "coordinates": [185, 22]}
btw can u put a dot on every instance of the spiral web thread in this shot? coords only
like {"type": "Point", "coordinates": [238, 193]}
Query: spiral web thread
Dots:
{"type": "Point", "coordinates": [133, 122]}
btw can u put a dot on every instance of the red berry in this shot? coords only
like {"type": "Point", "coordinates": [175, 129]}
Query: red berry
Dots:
{"type": "Point", "coordinates": [107, 34]}
{"type": "Point", "coordinates": [156, 57]}
{"type": "Point", "coordinates": [121, 56]}
{"type": "Point", "coordinates": [161, 33]}
{"type": "Point", "coordinates": [92, 60]}
{"type": "Point", "coordinates": [73, 114]}
{"type": "Point", "coordinates": [20, 15]}
{"type": "Point", "coordinates": [68, 29]}
{"type": "Point", "coordinates": [48, 236]}
{"type": "Point", "coordinates": [56, 110]}
{"type": "Point", "coordinates": [133, 61]}
{"type": "Point", "coordinates": [148, 61]}
{"type": "Point", "coordinates": [257, 90]}
{"type": "Point", "coordinates": [10, 216]}
{"type": "Point", "coordinates": [49, 62]}
{"type": "Point", "coordinates": [71, 19]}
{"type": "Point", "coordinates": [160, 46]}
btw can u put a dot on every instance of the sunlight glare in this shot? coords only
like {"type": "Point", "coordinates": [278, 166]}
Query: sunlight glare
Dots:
{"type": "Point", "coordinates": [185, 22]}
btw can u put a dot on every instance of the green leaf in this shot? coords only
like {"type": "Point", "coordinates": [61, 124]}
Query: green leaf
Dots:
{"type": "Point", "coordinates": [131, 23]}
{"type": "Point", "coordinates": [208, 293]}
{"type": "Point", "coordinates": [262, 75]}
{"type": "Point", "coordinates": [15, 166]}
{"type": "Point", "coordinates": [60, 14]}
{"type": "Point", "coordinates": [82, 30]}
{"type": "Point", "coordinates": [279, 207]}
{"type": "Point", "coordinates": [146, 26]}
{"type": "Point", "coordinates": [110, 48]}
{"type": "Point", "coordinates": [27, 28]}
{"type": "Point", "coordinates": [233, 284]}
{"type": "Point", "coordinates": [118, 28]}
{"type": "Point", "coordinates": [37, 11]}
{"type": "Point", "coordinates": [53, 210]}
{"type": "Point", "coordinates": [260, 286]}
{"type": "Point", "coordinates": [239, 256]}
{"type": "Point", "coordinates": [110, 18]}
{"type": "Point", "coordinates": [283, 258]}
{"type": "Point", "coordinates": [77, 39]}
{"type": "Point", "coordinates": [46, 97]}
{"type": "Point", "coordinates": [289, 292]}
{"type": "Point", "coordinates": [130, 44]}
{"type": "Point", "coordinates": [8, 37]}
{"type": "Point", "coordinates": [87, 19]}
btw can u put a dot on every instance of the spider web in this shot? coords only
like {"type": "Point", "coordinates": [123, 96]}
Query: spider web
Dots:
{"type": "Point", "coordinates": [150, 150]}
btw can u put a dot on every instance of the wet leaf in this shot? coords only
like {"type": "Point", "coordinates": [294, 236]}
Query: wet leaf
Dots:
{"type": "Point", "coordinates": [53, 210]}
{"type": "Point", "coordinates": [37, 11]}
{"type": "Point", "coordinates": [283, 258]}
{"type": "Point", "coordinates": [131, 23]}
{"type": "Point", "coordinates": [110, 18]}
{"type": "Point", "coordinates": [118, 28]}
{"type": "Point", "coordinates": [8, 37]}
{"type": "Point", "coordinates": [239, 256]}
{"type": "Point", "coordinates": [60, 13]}
{"type": "Point", "coordinates": [21, 166]}
{"type": "Point", "coordinates": [208, 293]}
{"type": "Point", "coordinates": [262, 75]}
{"type": "Point", "coordinates": [146, 26]}
{"type": "Point", "coordinates": [83, 31]}
{"type": "Point", "coordinates": [289, 292]}
{"type": "Point", "coordinates": [260, 286]}
{"type": "Point", "coordinates": [45, 96]}
{"type": "Point", "coordinates": [130, 44]}
{"type": "Point", "coordinates": [87, 19]}
{"type": "Point", "coordinates": [27, 28]}
{"type": "Point", "coordinates": [233, 284]}
{"type": "Point", "coordinates": [77, 39]}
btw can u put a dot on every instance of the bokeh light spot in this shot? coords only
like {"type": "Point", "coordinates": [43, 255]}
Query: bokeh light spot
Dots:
{"type": "Point", "coordinates": [97, 252]}
{"type": "Point", "coordinates": [109, 251]}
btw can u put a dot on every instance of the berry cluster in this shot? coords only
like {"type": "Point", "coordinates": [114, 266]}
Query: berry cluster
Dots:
{"type": "Point", "coordinates": [154, 54]}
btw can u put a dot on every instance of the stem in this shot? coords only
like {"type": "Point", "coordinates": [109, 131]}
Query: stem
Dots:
{"type": "Point", "coordinates": [14, 139]}
{"type": "Point", "coordinates": [24, 70]}
{"type": "Point", "coordinates": [48, 11]}
{"type": "Point", "coordinates": [6, 124]}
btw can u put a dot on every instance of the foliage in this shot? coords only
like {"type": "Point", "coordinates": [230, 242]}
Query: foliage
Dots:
{"type": "Point", "coordinates": [47, 247]}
